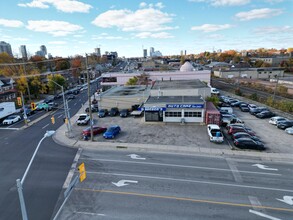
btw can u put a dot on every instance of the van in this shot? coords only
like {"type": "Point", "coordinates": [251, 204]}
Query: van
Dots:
{"type": "Point", "coordinates": [227, 109]}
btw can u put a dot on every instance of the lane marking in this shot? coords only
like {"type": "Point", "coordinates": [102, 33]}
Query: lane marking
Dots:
{"type": "Point", "coordinates": [181, 199]}
{"type": "Point", "coordinates": [45, 126]}
{"type": "Point", "coordinates": [256, 204]}
{"type": "Point", "coordinates": [59, 116]}
{"type": "Point", "coordinates": [74, 103]}
{"type": "Point", "coordinates": [263, 215]}
{"type": "Point", "coordinates": [90, 213]}
{"type": "Point", "coordinates": [235, 172]}
{"type": "Point", "coordinates": [191, 181]}
{"type": "Point", "coordinates": [287, 199]}
{"type": "Point", "coordinates": [183, 166]}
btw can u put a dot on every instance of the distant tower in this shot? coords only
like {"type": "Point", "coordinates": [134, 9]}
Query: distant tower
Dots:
{"type": "Point", "coordinates": [5, 47]}
{"type": "Point", "coordinates": [181, 53]}
{"type": "Point", "coordinates": [152, 50]}
{"type": "Point", "coordinates": [98, 51]}
{"type": "Point", "coordinates": [185, 52]}
{"type": "Point", "coordinates": [43, 49]}
{"type": "Point", "coordinates": [23, 52]}
{"type": "Point", "coordinates": [145, 53]}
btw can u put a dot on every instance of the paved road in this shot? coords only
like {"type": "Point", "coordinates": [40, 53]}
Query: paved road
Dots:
{"type": "Point", "coordinates": [172, 186]}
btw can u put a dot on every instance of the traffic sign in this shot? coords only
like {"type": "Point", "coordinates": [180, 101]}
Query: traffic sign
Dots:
{"type": "Point", "coordinates": [82, 172]}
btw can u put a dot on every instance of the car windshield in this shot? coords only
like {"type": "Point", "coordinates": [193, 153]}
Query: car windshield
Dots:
{"type": "Point", "coordinates": [82, 117]}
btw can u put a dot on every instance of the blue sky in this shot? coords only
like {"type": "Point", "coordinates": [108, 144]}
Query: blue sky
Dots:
{"type": "Point", "coordinates": [71, 27]}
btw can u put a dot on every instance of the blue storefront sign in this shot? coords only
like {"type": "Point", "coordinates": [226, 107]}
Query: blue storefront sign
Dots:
{"type": "Point", "coordinates": [184, 105]}
{"type": "Point", "coordinates": [153, 109]}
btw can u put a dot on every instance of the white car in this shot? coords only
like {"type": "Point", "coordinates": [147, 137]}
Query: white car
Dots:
{"type": "Point", "coordinates": [83, 119]}
{"type": "Point", "coordinates": [289, 130]}
{"type": "Point", "coordinates": [11, 119]}
{"type": "Point", "coordinates": [251, 106]}
{"type": "Point", "coordinates": [276, 119]}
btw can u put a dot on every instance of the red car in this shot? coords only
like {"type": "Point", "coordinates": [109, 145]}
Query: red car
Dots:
{"type": "Point", "coordinates": [233, 130]}
{"type": "Point", "coordinates": [96, 130]}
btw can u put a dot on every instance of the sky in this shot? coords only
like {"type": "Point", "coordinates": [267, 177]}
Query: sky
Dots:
{"type": "Point", "coordinates": [76, 27]}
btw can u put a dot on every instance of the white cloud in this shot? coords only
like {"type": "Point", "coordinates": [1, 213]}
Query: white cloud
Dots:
{"type": "Point", "coordinates": [160, 5]}
{"type": "Point", "coordinates": [68, 6]}
{"type": "Point", "coordinates": [274, 30]}
{"type": "Point", "coordinates": [224, 2]}
{"type": "Point", "coordinates": [142, 5]}
{"type": "Point", "coordinates": [160, 35]}
{"type": "Point", "coordinates": [148, 19]}
{"type": "Point", "coordinates": [55, 28]}
{"type": "Point", "coordinates": [10, 23]}
{"type": "Point", "coordinates": [105, 36]}
{"type": "Point", "coordinates": [58, 42]}
{"type": "Point", "coordinates": [258, 14]}
{"type": "Point", "coordinates": [211, 27]}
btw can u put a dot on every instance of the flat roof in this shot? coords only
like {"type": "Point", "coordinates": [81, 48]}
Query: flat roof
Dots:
{"type": "Point", "coordinates": [179, 84]}
{"type": "Point", "coordinates": [136, 90]}
{"type": "Point", "coordinates": [174, 99]}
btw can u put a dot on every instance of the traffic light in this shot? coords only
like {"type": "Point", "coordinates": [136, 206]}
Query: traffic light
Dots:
{"type": "Point", "coordinates": [53, 119]}
{"type": "Point", "coordinates": [19, 102]}
{"type": "Point", "coordinates": [66, 120]}
{"type": "Point", "coordinates": [33, 106]}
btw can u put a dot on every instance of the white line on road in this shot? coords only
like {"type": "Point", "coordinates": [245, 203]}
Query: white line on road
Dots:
{"type": "Point", "coordinates": [235, 172]}
{"type": "Point", "coordinates": [192, 181]}
{"type": "Point", "coordinates": [75, 104]}
{"type": "Point", "coordinates": [256, 204]}
{"type": "Point", "coordinates": [263, 215]}
{"type": "Point", "coordinates": [90, 213]}
{"type": "Point", "coordinates": [59, 116]}
{"type": "Point", "coordinates": [183, 166]}
{"type": "Point", "coordinates": [45, 126]}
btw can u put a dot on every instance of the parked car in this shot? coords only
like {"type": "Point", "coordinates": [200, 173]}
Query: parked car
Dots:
{"type": "Point", "coordinates": [42, 106]}
{"type": "Point", "coordinates": [83, 119]}
{"type": "Point", "coordinates": [248, 143]}
{"type": "Point", "coordinates": [102, 113]}
{"type": "Point", "coordinates": [265, 114]}
{"type": "Point", "coordinates": [124, 113]}
{"type": "Point", "coordinates": [71, 96]}
{"type": "Point", "coordinates": [254, 111]}
{"type": "Point", "coordinates": [113, 111]}
{"type": "Point", "coordinates": [11, 119]}
{"type": "Point", "coordinates": [112, 131]}
{"type": "Point", "coordinates": [96, 130]}
{"type": "Point", "coordinates": [244, 135]}
{"type": "Point", "coordinates": [49, 99]}
{"type": "Point", "coordinates": [52, 105]}
{"type": "Point", "coordinates": [289, 130]}
{"type": "Point", "coordinates": [244, 107]}
{"type": "Point", "coordinates": [285, 124]}
{"type": "Point", "coordinates": [251, 106]}
{"type": "Point", "coordinates": [215, 133]}
{"type": "Point", "coordinates": [274, 120]}
{"type": "Point", "coordinates": [235, 129]}
{"type": "Point", "coordinates": [227, 110]}
{"type": "Point", "coordinates": [236, 104]}
{"type": "Point", "coordinates": [94, 109]}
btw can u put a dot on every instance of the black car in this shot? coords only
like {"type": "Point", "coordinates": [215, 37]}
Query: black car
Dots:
{"type": "Point", "coordinates": [244, 135]}
{"type": "Point", "coordinates": [257, 110]}
{"type": "Point", "coordinates": [244, 107]}
{"type": "Point", "coordinates": [248, 143]}
{"type": "Point", "coordinates": [265, 114]}
{"type": "Point", "coordinates": [113, 112]}
{"type": "Point", "coordinates": [285, 124]}
{"type": "Point", "coordinates": [94, 109]}
{"type": "Point", "coordinates": [124, 113]}
{"type": "Point", "coordinates": [236, 104]}
{"type": "Point", "coordinates": [102, 113]}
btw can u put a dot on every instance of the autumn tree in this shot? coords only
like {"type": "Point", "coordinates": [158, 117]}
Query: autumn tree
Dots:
{"type": "Point", "coordinates": [38, 61]}
{"type": "Point", "coordinates": [62, 64]}
{"type": "Point", "coordinates": [76, 66]}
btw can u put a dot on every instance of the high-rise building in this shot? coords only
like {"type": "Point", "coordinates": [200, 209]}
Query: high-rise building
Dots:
{"type": "Point", "coordinates": [23, 52]}
{"type": "Point", "coordinates": [43, 49]}
{"type": "Point", "coordinates": [152, 50]}
{"type": "Point", "coordinates": [98, 51]}
{"type": "Point", "coordinates": [5, 47]}
{"type": "Point", "coordinates": [145, 53]}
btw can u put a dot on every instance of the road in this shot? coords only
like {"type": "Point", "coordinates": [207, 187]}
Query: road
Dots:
{"type": "Point", "coordinates": [144, 185]}
{"type": "Point", "coordinates": [49, 169]}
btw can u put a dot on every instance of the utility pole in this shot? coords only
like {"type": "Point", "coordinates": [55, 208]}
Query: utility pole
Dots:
{"type": "Point", "coordinates": [276, 87]}
{"type": "Point", "coordinates": [24, 112]}
{"type": "Point", "coordinates": [89, 96]}
{"type": "Point", "coordinates": [28, 89]}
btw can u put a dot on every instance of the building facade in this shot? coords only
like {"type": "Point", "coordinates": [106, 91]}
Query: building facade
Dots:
{"type": "Point", "coordinates": [23, 52]}
{"type": "Point", "coordinates": [250, 73]}
{"type": "Point", "coordinates": [5, 48]}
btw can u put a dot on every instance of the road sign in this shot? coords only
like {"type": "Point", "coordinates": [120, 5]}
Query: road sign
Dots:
{"type": "Point", "coordinates": [82, 172]}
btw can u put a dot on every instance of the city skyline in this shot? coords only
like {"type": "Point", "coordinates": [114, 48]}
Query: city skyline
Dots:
{"type": "Point", "coordinates": [71, 27]}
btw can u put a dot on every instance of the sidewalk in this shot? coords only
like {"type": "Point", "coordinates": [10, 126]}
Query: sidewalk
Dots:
{"type": "Point", "coordinates": [61, 138]}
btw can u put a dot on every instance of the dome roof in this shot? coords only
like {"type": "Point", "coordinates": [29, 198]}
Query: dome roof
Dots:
{"type": "Point", "coordinates": [186, 67]}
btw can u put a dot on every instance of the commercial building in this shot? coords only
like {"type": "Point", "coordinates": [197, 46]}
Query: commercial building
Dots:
{"type": "Point", "coordinates": [5, 48]}
{"type": "Point", "coordinates": [23, 52]}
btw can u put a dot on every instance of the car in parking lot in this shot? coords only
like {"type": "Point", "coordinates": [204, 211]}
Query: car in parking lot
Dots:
{"type": "Point", "coordinates": [274, 120]}
{"type": "Point", "coordinates": [113, 111]}
{"type": "Point", "coordinates": [233, 130]}
{"type": "Point", "coordinates": [11, 119]}
{"type": "Point", "coordinates": [285, 124]}
{"type": "Point", "coordinates": [244, 107]}
{"type": "Point", "coordinates": [102, 113]}
{"type": "Point", "coordinates": [83, 119]}
{"type": "Point", "coordinates": [256, 110]}
{"type": "Point", "coordinates": [94, 109]}
{"type": "Point", "coordinates": [244, 135]}
{"type": "Point", "coordinates": [289, 130]}
{"type": "Point", "coordinates": [248, 143]}
{"type": "Point", "coordinates": [251, 106]}
{"type": "Point", "coordinates": [237, 104]}
{"type": "Point", "coordinates": [265, 114]}
{"type": "Point", "coordinates": [96, 130]}
{"type": "Point", "coordinates": [112, 131]}
{"type": "Point", "coordinates": [124, 113]}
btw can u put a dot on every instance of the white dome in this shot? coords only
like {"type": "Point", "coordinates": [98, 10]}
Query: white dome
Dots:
{"type": "Point", "coordinates": [186, 67]}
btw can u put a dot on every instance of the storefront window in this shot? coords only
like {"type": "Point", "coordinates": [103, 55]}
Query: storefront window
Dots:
{"type": "Point", "coordinates": [173, 114]}
{"type": "Point", "coordinates": [192, 114]}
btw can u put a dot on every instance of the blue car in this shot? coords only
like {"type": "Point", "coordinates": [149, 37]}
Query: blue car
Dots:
{"type": "Point", "coordinates": [112, 131]}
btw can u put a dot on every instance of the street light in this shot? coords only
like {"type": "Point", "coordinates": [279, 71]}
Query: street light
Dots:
{"type": "Point", "coordinates": [65, 106]}
{"type": "Point", "coordinates": [19, 183]}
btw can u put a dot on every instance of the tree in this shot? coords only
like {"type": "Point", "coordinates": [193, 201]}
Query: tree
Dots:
{"type": "Point", "coordinates": [132, 81]}
{"type": "Point", "coordinates": [62, 64]}
{"type": "Point", "coordinates": [57, 78]}
{"type": "Point", "coordinates": [182, 60]}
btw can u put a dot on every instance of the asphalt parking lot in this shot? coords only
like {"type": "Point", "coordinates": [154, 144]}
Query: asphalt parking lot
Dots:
{"type": "Point", "coordinates": [135, 130]}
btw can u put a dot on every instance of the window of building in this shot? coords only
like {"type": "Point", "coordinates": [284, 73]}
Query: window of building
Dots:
{"type": "Point", "coordinates": [173, 114]}
{"type": "Point", "coordinates": [192, 114]}
{"type": "Point", "coordinates": [109, 79]}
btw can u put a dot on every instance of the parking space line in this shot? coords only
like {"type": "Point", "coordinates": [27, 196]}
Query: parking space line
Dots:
{"type": "Point", "coordinates": [183, 199]}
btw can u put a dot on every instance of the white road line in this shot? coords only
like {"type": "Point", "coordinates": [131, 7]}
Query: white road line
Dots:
{"type": "Point", "coordinates": [235, 172]}
{"type": "Point", "coordinates": [183, 166]}
{"type": "Point", "coordinates": [90, 213]}
{"type": "Point", "coordinates": [256, 204]}
{"type": "Point", "coordinates": [74, 103]}
{"type": "Point", "coordinates": [72, 169]}
{"type": "Point", "coordinates": [192, 181]}
{"type": "Point", "coordinates": [263, 215]}
{"type": "Point", "coordinates": [45, 126]}
{"type": "Point", "coordinates": [59, 116]}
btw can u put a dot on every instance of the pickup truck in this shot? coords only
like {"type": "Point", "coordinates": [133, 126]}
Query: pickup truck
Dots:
{"type": "Point", "coordinates": [215, 133]}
